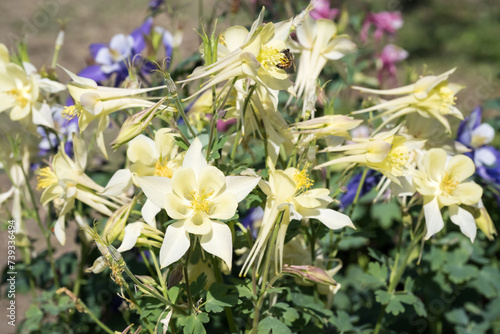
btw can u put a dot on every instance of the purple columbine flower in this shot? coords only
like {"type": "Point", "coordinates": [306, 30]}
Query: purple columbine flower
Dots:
{"type": "Point", "coordinates": [391, 54]}
{"type": "Point", "coordinates": [64, 127]}
{"type": "Point", "coordinates": [111, 58]}
{"type": "Point", "coordinates": [384, 22]}
{"type": "Point", "coordinates": [322, 10]}
{"type": "Point", "coordinates": [476, 136]}
{"type": "Point", "coordinates": [371, 180]}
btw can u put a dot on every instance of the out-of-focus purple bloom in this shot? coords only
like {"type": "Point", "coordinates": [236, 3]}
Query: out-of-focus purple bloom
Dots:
{"type": "Point", "coordinates": [476, 136]}
{"type": "Point", "coordinates": [384, 22]}
{"type": "Point", "coordinates": [322, 10]}
{"type": "Point", "coordinates": [167, 40]}
{"type": "Point", "coordinates": [253, 219]}
{"type": "Point", "coordinates": [64, 127]}
{"type": "Point", "coordinates": [371, 181]}
{"type": "Point", "coordinates": [224, 124]}
{"type": "Point", "coordinates": [155, 5]}
{"type": "Point", "coordinates": [391, 54]}
{"type": "Point", "coordinates": [111, 58]}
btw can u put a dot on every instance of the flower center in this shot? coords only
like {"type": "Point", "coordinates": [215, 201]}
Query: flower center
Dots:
{"type": "Point", "coordinates": [162, 169]}
{"type": "Point", "coordinates": [199, 200]}
{"type": "Point", "coordinates": [447, 99]}
{"type": "Point", "coordinates": [20, 96]}
{"type": "Point", "coordinates": [302, 180]}
{"type": "Point", "coordinates": [398, 157]}
{"type": "Point", "coordinates": [70, 112]}
{"type": "Point", "coordinates": [448, 183]}
{"type": "Point", "coordinates": [45, 178]}
{"type": "Point", "coordinates": [270, 57]}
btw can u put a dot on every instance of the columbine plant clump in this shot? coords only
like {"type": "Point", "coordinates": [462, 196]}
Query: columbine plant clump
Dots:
{"type": "Point", "coordinates": [249, 189]}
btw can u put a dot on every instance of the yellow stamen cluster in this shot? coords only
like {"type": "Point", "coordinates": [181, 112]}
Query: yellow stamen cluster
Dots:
{"type": "Point", "coordinates": [21, 99]}
{"type": "Point", "coordinates": [162, 169]}
{"type": "Point", "coordinates": [448, 183]}
{"type": "Point", "coordinates": [71, 112]}
{"type": "Point", "coordinates": [398, 157]}
{"type": "Point", "coordinates": [199, 200]}
{"type": "Point", "coordinates": [302, 180]}
{"type": "Point", "coordinates": [448, 99]}
{"type": "Point", "coordinates": [45, 178]}
{"type": "Point", "coordinates": [270, 57]}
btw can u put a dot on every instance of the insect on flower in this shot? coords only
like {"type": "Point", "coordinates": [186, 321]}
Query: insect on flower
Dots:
{"type": "Point", "coordinates": [287, 60]}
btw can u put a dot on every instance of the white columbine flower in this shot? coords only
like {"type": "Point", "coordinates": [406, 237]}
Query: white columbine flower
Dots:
{"type": "Point", "coordinates": [197, 196]}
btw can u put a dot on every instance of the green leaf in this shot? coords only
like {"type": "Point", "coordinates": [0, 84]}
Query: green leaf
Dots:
{"type": "Point", "coordinates": [393, 301]}
{"type": "Point", "coordinates": [217, 298]}
{"type": "Point", "coordinates": [342, 321]}
{"type": "Point", "coordinates": [386, 213]}
{"type": "Point", "coordinates": [378, 271]}
{"type": "Point", "coordinates": [34, 318]}
{"type": "Point", "coordinates": [457, 316]}
{"type": "Point", "coordinates": [272, 325]}
{"type": "Point", "coordinates": [487, 282]}
{"type": "Point", "coordinates": [194, 324]}
{"type": "Point", "coordinates": [286, 312]}
{"type": "Point", "coordinates": [460, 273]}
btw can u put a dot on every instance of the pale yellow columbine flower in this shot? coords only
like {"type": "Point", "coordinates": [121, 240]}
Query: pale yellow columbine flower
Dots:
{"type": "Point", "coordinates": [21, 92]}
{"type": "Point", "coordinates": [431, 96]}
{"type": "Point", "coordinates": [65, 181]}
{"type": "Point", "coordinates": [288, 191]}
{"type": "Point", "coordinates": [197, 196]}
{"type": "Point", "coordinates": [148, 158]}
{"type": "Point", "coordinates": [440, 181]}
{"type": "Point", "coordinates": [252, 54]}
{"type": "Point", "coordinates": [386, 152]}
{"type": "Point", "coordinates": [93, 102]}
{"type": "Point", "coordinates": [318, 43]}
{"type": "Point", "coordinates": [329, 127]}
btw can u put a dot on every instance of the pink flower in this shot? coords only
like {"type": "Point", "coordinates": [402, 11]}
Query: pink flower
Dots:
{"type": "Point", "coordinates": [391, 54]}
{"type": "Point", "coordinates": [384, 22]}
{"type": "Point", "coordinates": [322, 10]}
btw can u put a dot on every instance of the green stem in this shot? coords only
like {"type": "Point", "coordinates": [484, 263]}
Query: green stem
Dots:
{"type": "Point", "coordinates": [260, 301]}
{"type": "Point", "coordinates": [132, 298]}
{"type": "Point", "coordinates": [227, 310]}
{"type": "Point", "coordinates": [186, 279]}
{"type": "Point", "coordinates": [119, 259]}
{"type": "Point", "coordinates": [45, 232]}
{"type": "Point", "coordinates": [358, 192]}
{"type": "Point", "coordinates": [172, 89]}
{"type": "Point", "coordinates": [394, 281]}
{"type": "Point", "coordinates": [158, 272]}
{"type": "Point", "coordinates": [93, 317]}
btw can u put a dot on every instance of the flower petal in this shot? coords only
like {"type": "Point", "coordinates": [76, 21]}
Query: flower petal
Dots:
{"type": "Point", "coordinates": [211, 180]}
{"type": "Point", "coordinates": [198, 223]}
{"type": "Point", "coordinates": [468, 193]}
{"type": "Point", "coordinates": [149, 212]}
{"type": "Point", "coordinates": [184, 182]}
{"type": "Point", "coordinates": [175, 244]}
{"type": "Point", "coordinates": [177, 207]}
{"type": "Point", "coordinates": [330, 218]}
{"type": "Point", "coordinates": [465, 220]}
{"type": "Point", "coordinates": [241, 186]}
{"type": "Point", "coordinates": [219, 242]}
{"type": "Point", "coordinates": [433, 162]}
{"type": "Point", "coordinates": [460, 167]}
{"type": "Point", "coordinates": [156, 188]}
{"type": "Point", "coordinates": [132, 233]}
{"type": "Point", "coordinates": [433, 218]}
{"type": "Point", "coordinates": [194, 158]}
{"type": "Point", "coordinates": [224, 206]}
